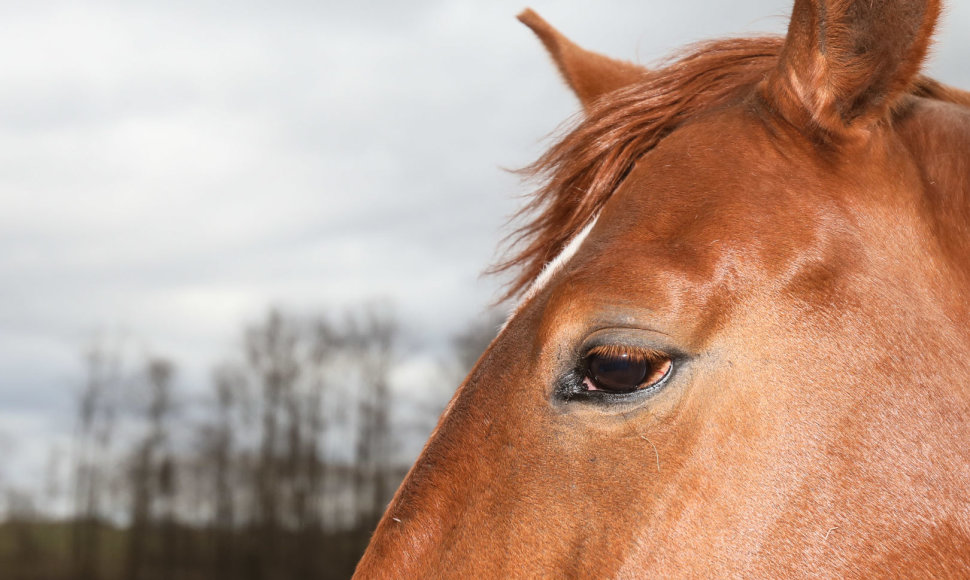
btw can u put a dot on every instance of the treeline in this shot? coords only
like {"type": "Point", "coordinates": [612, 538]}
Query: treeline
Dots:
{"type": "Point", "coordinates": [281, 471]}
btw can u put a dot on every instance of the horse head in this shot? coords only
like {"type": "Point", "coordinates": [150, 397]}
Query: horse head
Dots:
{"type": "Point", "coordinates": [742, 342]}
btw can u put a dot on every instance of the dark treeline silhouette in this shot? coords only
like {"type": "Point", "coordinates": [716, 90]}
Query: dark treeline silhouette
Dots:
{"type": "Point", "coordinates": [281, 471]}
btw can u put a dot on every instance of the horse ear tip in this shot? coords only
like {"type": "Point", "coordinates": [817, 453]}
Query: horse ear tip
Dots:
{"type": "Point", "coordinates": [531, 18]}
{"type": "Point", "coordinates": [549, 36]}
{"type": "Point", "coordinates": [526, 14]}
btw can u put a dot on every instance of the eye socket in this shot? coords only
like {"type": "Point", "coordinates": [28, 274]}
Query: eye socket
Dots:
{"type": "Point", "coordinates": [622, 369]}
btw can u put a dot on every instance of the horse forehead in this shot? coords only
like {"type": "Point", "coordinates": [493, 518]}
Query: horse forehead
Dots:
{"type": "Point", "coordinates": [719, 185]}
{"type": "Point", "coordinates": [709, 213]}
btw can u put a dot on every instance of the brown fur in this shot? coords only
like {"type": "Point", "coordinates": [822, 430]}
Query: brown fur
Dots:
{"type": "Point", "coordinates": [801, 251]}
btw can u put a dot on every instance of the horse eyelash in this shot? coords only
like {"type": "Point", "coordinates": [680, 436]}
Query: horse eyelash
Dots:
{"type": "Point", "coordinates": [635, 354]}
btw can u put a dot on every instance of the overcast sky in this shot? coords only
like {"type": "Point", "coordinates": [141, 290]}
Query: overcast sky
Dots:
{"type": "Point", "coordinates": [172, 168]}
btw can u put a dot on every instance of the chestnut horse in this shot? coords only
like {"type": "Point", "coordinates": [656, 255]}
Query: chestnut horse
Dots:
{"type": "Point", "coordinates": [743, 342]}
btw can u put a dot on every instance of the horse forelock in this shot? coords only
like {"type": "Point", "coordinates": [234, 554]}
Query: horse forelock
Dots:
{"type": "Point", "coordinates": [580, 172]}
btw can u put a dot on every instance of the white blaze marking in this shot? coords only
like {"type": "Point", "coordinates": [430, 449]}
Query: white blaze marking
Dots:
{"type": "Point", "coordinates": [553, 267]}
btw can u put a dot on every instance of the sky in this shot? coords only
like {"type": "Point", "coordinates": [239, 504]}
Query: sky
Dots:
{"type": "Point", "coordinates": [168, 170]}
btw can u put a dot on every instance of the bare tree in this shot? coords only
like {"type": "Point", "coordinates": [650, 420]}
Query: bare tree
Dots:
{"type": "Point", "coordinates": [218, 456]}
{"type": "Point", "coordinates": [52, 475]}
{"type": "Point", "coordinates": [21, 517]}
{"type": "Point", "coordinates": [465, 348]}
{"type": "Point", "coordinates": [97, 412]}
{"type": "Point", "coordinates": [308, 444]}
{"type": "Point", "coordinates": [374, 337]}
{"type": "Point", "coordinates": [152, 476]}
{"type": "Point", "coordinates": [271, 350]}
{"type": "Point", "coordinates": [294, 467]}
{"type": "Point", "coordinates": [468, 345]}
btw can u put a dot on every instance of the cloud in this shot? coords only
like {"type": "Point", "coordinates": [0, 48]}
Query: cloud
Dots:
{"type": "Point", "coordinates": [173, 167]}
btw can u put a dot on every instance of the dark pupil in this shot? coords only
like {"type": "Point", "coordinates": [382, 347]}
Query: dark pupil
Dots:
{"type": "Point", "coordinates": [617, 373]}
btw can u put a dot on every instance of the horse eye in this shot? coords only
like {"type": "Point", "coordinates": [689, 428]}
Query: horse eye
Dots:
{"type": "Point", "coordinates": [618, 369]}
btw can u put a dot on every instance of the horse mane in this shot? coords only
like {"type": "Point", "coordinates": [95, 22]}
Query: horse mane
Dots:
{"type": "Point", "coordinates": [581, 171]}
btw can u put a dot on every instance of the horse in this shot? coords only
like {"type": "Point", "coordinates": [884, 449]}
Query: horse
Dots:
{"type": "Point", "coordinates": [741, 346]}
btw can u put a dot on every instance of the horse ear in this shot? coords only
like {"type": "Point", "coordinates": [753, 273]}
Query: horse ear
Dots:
{"type": "Point", "coordinates": [845, 62]}
{"type": "Point", "coordinates": [589, 74]}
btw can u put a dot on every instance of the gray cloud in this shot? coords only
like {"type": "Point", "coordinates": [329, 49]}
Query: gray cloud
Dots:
{"type": "Point", "coordinates": [173, 167]}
